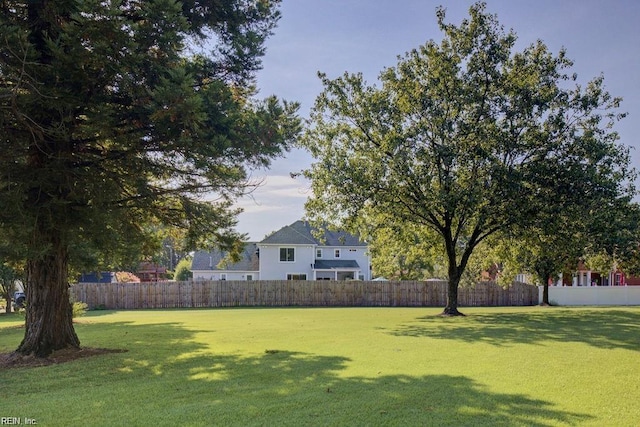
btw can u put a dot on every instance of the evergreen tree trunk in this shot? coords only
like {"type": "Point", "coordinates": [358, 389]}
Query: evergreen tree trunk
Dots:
{"type": "Point", "coordinates": [49, 314]}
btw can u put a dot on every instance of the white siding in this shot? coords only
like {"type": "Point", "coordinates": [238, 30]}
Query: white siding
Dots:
{"type": "Point", "coordinates": [358, 253]}
{"type": "Point", "coordinates": [230, 275]}
{"type": "Point", "coordinates": [271, 268]}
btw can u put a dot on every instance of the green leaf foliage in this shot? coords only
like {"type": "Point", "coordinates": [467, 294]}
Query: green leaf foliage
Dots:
{"type": "Point", "coordinates": [110, 120]}
{"type": "Point", "coordinates": [465, 137]}
{"type": "Point", "coordinates": [118, 116]}
{"type": "Point", "coordinates": [405, 253]}
{"type": "Point", "coordinates": [183, 270]}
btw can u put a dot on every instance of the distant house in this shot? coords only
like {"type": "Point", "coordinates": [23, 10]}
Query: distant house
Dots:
{"type": "Point", "coordinates": [295, 253]}
{"type": "Point", "coordinates": [108, 277]}
{"type": "Point", "coordinates": [213, 265]}
{"type": "Point", "coordinates": [583, 276]}
{"type": "Point", "coordinates": [291, 253]}
{"type": "Point", "coordinates": [98, 277]}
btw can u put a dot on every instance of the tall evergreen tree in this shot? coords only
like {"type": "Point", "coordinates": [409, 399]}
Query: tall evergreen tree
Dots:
{"type": "Point", "coordinates": [113, 114]}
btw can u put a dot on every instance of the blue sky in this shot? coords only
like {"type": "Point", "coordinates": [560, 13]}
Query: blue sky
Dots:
{"type": "Point", "coordinates": [334, 36]}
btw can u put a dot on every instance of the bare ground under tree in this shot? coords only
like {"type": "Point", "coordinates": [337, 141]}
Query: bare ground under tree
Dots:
{"type": "Point", "coordinates": [17, 360]}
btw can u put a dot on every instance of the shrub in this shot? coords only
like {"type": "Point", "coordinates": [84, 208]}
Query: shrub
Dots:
{"type": "Point", "coordinates": [183, 270]}
{"type": "Point", "coordinates": [79, 309]}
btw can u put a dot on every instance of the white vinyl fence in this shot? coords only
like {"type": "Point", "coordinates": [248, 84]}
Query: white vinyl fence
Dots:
{"type": "Point", "coordinates": [593, 295]}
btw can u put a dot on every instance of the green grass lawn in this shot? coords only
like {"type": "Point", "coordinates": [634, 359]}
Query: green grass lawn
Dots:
{"type": "Point", "coordinates": [338, 366]}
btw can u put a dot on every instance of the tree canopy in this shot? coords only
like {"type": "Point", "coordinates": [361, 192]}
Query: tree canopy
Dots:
{"type": "Point", "coordinates": [463, 138]}
{"type": "Point", "coordinates": [118, 115]}
{"type": "Point", "coordinates": [404, 253]}
{"type": "Point", "coordinates": [600, 234]}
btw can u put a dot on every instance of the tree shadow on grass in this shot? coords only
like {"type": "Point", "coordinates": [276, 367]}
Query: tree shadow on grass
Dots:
{"type": "Point", "coordinates": [287, 388]}
{"type": "Point", "coordinates": [170, 376]}
{"type": "Point", "coordinates": [602, 328]}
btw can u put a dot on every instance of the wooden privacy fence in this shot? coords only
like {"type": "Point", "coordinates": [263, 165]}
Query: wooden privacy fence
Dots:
{"type": "Point", "coordinates": [273, 293]}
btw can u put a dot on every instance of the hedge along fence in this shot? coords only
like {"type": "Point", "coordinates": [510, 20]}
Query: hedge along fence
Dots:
{"type": "Point", "coordinates": [274, 293]}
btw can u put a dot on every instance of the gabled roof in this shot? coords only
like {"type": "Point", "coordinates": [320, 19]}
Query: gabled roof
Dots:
{"type": "Point", "coordinates": [209, 260]}
{"type": "Point", "coordinates": [301, 233]}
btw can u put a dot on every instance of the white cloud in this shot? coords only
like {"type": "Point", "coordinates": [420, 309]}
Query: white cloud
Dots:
{"type": "Point", "coordinates": [279, 201]}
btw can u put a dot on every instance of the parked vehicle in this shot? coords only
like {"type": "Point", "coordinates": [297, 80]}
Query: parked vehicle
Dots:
{"type": "Point", "coordinates": [19, 300]}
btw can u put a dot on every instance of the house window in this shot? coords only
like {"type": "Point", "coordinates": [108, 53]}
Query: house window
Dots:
{"type": "Point", "coordinates": [318, 253]}
{"type": "Point", "coordinates": [296, 276]}
{"type": "Point", "coordinates": [249, 277]}
{"type": "Point", "coordinates": [336, 253]}
{"type": "Point", "coordinates": [618, 279]}
{"type": "Point", "coordinates": [287, 254]}
{"type": "Point", "coordinates": [223, 276]}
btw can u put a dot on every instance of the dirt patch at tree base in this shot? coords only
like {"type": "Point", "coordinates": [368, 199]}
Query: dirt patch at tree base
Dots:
{"type": "Point", "coordinates": [16, 360]}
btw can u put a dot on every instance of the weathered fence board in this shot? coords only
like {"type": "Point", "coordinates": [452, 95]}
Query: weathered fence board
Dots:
{"type": "Point", "coordinates": [275, 293]}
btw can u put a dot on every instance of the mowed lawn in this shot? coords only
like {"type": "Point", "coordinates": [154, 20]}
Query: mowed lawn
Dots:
{"type": "Point", "coordinates": [526, 366]}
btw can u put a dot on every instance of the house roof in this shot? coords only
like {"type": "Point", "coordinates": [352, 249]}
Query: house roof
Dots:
{"type": "Point", "coordinates": [97, 277]}
{"type": "Point", "coordinates": [209, 260]}
{"type": "Point", "coordinates": [301, 233]}
{"type": "Point", "coordinates": [327, 264]}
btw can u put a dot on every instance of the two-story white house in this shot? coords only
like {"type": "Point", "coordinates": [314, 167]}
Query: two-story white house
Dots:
{"type": "Point", "coordinates": [291, 253]}
{"type": "Point", "coordinates": [213, 265]}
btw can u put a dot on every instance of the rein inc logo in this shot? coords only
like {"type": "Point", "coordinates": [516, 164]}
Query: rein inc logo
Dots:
{"type": "Point", "coordinates": [16, 421]}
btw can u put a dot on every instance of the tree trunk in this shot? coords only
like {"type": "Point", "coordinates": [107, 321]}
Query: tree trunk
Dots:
{"type": "Point", "coordinates": [49, 314]}
{"type": "Point", "coordinates": [544, 277]}
{"type": "Point", "coordinates": [452, 299]}
{"type": "Point", "coordinates": [545, 294]}
{"type": "Point", "coordinates": [452, 293]}
{"type": "Point", "coordinates": [455, 273]}
{"type": "Point", "coordinates": [7, 309]}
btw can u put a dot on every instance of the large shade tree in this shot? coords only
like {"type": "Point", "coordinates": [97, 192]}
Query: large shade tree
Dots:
{"type": "Point", "coordinates": [465, 137]}
{"type": "Point", "coordinates": [600, 232]}
{"type": "Point", "coordinates": [116, 115]}
{"type": "Point", "coordinates": [549, 248]}
{"type": "Point", "coordinates": [615, 244]}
